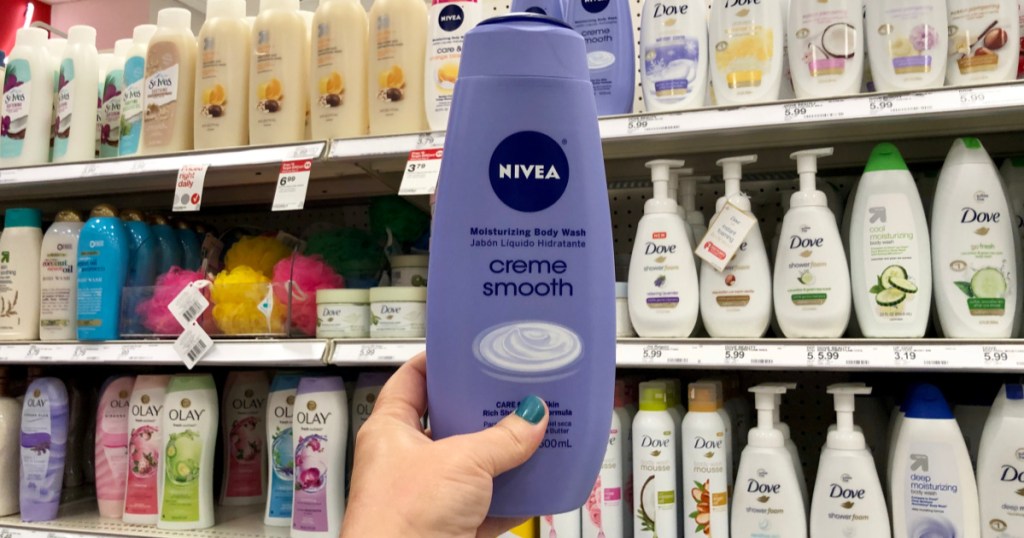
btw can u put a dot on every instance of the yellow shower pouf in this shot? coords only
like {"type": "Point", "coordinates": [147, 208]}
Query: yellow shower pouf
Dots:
{"type": "Point", "coordinates": [236, 298]}
{"type": "Point", "coordinates": [257, 252]}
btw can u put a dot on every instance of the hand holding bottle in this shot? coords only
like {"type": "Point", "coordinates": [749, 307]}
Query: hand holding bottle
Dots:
{"type": "Point", "coordinates": [405, 484]}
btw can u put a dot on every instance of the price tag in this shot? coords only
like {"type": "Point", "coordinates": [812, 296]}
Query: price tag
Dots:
{"type": "Point", "coordinates": [291, 185]}
{"type": "Point", "coordinates": [429, 140]}
{"type": "Point", "coordinates": [725, 236]}
{"type": "Point", "coordinates": [188, 305]}
{"type": "Point", "coordinates": [421, 172]}
{"type": "Point", "coordinates": [905, 356]}
{"type": "Point", "coordinates": [90, 170]}
{"type": "Point", "coordinates": [883, 105]}
{"type": "Point", "coordinates": [306, 152]}
{"type": "Point", "coordinates": [972, 97]}
{"type": "Point", "coordinates": [824, 355]}
{"type": "Point", "coordinates": [192, 345]}
{"type": "Point", "coordinates": [137, 167]}
{"type": "Point", "coordinates": [821, 110]}
{"type": "Point", "coordinates": [653, 123]}
{"type": "Point", "coordinates": [45, 353]}
{"type": "Point", "coordinates": [86, 353]}
{"type": "Point", "coordinates": [995, 357]}
{"type": "Point", "coordinates": [188, 191]}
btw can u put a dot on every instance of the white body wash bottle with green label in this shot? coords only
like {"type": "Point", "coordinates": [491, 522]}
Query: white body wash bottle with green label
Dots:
{"type": "Point", "coordinates": [189, 425]}
{"type": "Point", "coordinates": [973, 247]}
{"type": "Point", "coordinates": [890, 253]}
{"type": "Point", "coordinates": [811, 278]}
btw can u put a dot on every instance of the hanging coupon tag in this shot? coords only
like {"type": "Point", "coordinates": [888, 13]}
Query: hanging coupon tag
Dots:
{"type": "Point", "coordinates": [421, 172]}
{"type": "Point", "coordinates": [291, 185]}
{"type": "Point", "coordinates": [188, 191]}
{"type": "Point", "coordinates": [188, 305]}
{"type": "Point", "coordinates": [725, 236]}
{"type": "Point", "coordinates": [193, 344]}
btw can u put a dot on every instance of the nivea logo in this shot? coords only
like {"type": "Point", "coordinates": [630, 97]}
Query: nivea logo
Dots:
{"type": "Point", "coordinates": [529, 171]}
{"type": "Point", "coordinates": [595, 6]}
{"type": "Point", "coordinates": [836, 491]}
{"type": "Point", "coordinates": [450, 18]}
{"type": "Point", "coordinates": [754, 486]}
{"type": "Point", "coordinates": [1011, 474]}
{"type": "Point", "coordinates": [805, 242]}
{"type": "Point", "coordinates": [970, 215]}
{"type": "Point", "coordinates": [741, 3]}
{"type": "Point", "coordinates": [701, 443]}
{"type": "Point", "coordinates": [650, 442]}
{"type": "Point", "coordinates": [669, 10]}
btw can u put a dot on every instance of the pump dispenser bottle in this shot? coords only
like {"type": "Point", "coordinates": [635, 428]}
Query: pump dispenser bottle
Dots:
{"type": "Point", "coordinates": [890, 253]}
{"type": "Point", "coordinates": [705, 464]}
{"type": "Point", "coordinates": [170, 84]}
{"type": "Point", "coordinates": [655, 491]}
{"type": "Point", "coordinates": [673, 194]}
{"type": "Point", "coordinates": [848, 498]}
{"type": "Point", "coordinates": [767, 501]}
{"type": "Point", "coordinates": [663, 291]}
{"type": "Point", "coordinates": [77, 87]}
{"type": "Point", "coordinates": [688, 201]}
{"type": "Point", "coordinates": [811, 278]}
{"type": "Point", "coordinates": [737, 302]}
{"type": "Point", "coordinates": [794, 452]}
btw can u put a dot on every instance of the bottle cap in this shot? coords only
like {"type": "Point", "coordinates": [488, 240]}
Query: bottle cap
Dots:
{"type": "Point", "coordinates": [103, 210]}
{"type": "Point", "coordinates": [524, 45]}
{"type": "Point", "coordinates": [81, 34]}
{"type": "Point", "coordinates": [225, 9]}
{"type": "Point", "coordinates": [68, 215]}
{"type": "Point", "coordinates": [175, 18]}
{"type": "Point", "coordinates": [1014, 391]}
{"type": "Point", "coordinates": [673, 391]}
{"type": "Point", "coordinates": [660, 176]}
{"type": "Point", "coordinates": [133, 215]}
{"type": "Point", "coordinates": [926, 402]}
{"type": "Point", "coordinates": [968, 150]}
{"type": "Point", "coordinates": [121, 47]}
{"type": "Point", "coordinates": [158, 220]}
{"type": "Point", "coordinates": [807, 167]}
{"type": "Point", "coordinates": [705, 397]}
{"type": "Point", "coordinates": [182, 225]}
{"type": "Point", "coordinates": [30, 37]}
{"type": "Point", "coordinates": [885, 156]}
{"type": "Point", "coordinates": [143, 33]}
{"type": "Point", "coordinates": [653, 396]}
{"type": "Point", "coordinates": [55, 47]}
{"type": "Point", "coordinates": [23, 217]}
{"type": "Point", "coordinates": [732, 169]}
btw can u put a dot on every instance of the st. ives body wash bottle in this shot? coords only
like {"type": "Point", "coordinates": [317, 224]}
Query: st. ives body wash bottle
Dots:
{"type": "Point", "coordinates": [522, 246]}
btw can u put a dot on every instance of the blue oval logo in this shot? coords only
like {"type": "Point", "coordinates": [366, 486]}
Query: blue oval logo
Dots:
{"type": "Point", "coordinates": [450, 18]}
{"type": "Point", "coordinates": [529, 171]}
{"type": "Point", "coordinates": [595, 6]}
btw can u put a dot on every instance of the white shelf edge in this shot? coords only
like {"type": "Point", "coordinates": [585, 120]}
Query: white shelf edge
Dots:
{"type": "Point", "coordinates": [285, 352]}
{"type": "Point", "coordinates": [101, 168]}
{"type": "Point", "coordinates": [755, 354]}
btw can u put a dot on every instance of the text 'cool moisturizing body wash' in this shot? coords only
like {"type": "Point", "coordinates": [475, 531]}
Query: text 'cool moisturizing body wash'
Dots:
{"type": "Point", "coordinates": [522, 297]}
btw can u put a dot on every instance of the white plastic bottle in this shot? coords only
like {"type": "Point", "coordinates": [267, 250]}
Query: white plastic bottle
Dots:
{"type": "Point", "coordinates": [673, 194]}
{"type": "Point", "coordinates": [705, 465]}
{"type": "Point", "coordinates": [278, 74]}
{"type": "Point", "coordinates": [655, 492]}
{"type": "Point", "coordinates": [663, 292]}
{"type": "Point", "coordinates": [104, 61]}
{"type": "Point", "coordinates": [688, 201]}
{"type": "Point", "coordinates": [77, 83]}
{"type": "Point", "coordinates": [973, 247]}
{"type": "Point", "coordinates": [27, 101]}
{"type": "Point", "coordinates": [1012, 172]}
{"type": "Point", "coordinates": [20, 244]}
{"type": "Point", "coordinates": [320, 438]}
{"type": "Point", "coordinates": [674, 55]}
{"type": "Point", "coordinates": [55, 52]}
{"type": "Point", "coordinates": [984, 42]}
{"type": "Point", "coordinates": [767, 502]}
{"type": "Point", "coordinates": [907, 43]}
{"type": "Point", "coordinates": [737, 302]}
{"type": "Point", "coordinates": [727, 421]}
{"type": "Point", "coordinates": [189, 426]}
{"type": "Point", "coordinates": [133, 93]}
{"type": "Point", "coordinates": [448, 21]}
{"type": "Point", "coordinates": [848, 500]}
{"type": "Point", "coordinates": [826, 47]}
{"type": "Point", "coordinates": [564, 525]}
{"type": "Point", "coordinates": [811, 278]}
{"type": "Point", "coordinates": [397, 47]}
{"type": "Point", "coordinates": [111, 88]}
{"type": "Point", "coordinates": [10, 448]}
{"type": "Point", "coordinates": [890, 252]}
{"type": "Point", "coordinates": [243, 436]}
{"type": "Point", "coordinates": [58, 286]}
{"type": "Point", "coordinates": [1000, 468]}
{"type": "Point", "coordinates": [170, 84]}
{"type": "Point", "coordinates": [747, 37]}
{"type": "Point", "coordinates": [221, 113]}
{"type": "Point", "coordinates": [281, 460]}
{"type": "Point", "coordinates": [934, 492]}
{"type": "Point", "coordinates": [338, 61]}
{"type": "Point", "coordinates": [794, 452]}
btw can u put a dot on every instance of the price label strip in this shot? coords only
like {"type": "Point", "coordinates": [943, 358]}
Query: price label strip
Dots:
{"type": "Point", "coordinates": [754, 355]}
{"type": "Point", "coordinates": [188, 190]}
{"type": "Point", "coordinates": [821, 110]}
{"type": "Point", "coordinates": [654, 124]}
{"type": "Point", "coordinates": [421, 172]}
{"type": "Point", "coordinates": [292, 183]}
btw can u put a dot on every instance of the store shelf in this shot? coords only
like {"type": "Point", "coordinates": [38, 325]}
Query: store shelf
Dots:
{"type": "Point", "coordinates": [759, 354]}
{"type": "Point", "coordinates": [161, 353]}
{"type": "Point", "coordinates": [82, 519]}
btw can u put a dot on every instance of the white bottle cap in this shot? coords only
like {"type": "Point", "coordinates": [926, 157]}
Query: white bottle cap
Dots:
{"type": "Point", "coordinates": [732, 171]}
{"type": "Point", "coordinates": [81, 34]}
{"type": "Point", "coordinates": [143, 33]}
{"type": "Point", "coordinates": [807, 167]}
{"type": "Point", "coordinates": [225, 9]}
{"type": "Point", "coordinates": [104, 60]}
{"type": "Point", "coordinates": [30, 37]}
{"type": "Point", "coordinates": [175, 18]}
{"type": "Point", "coordinates": [121, 47]}
{"type": "Point", "coordinates": [290, 5]}
{"type": "Point", "coordinates": [846, 436]}
{"type": "Point", "coordinates": [765, 434]}
{"type": "Point", "coordinates": [660, 175]}
{"type": "Point", "coordinates": [55, 47]}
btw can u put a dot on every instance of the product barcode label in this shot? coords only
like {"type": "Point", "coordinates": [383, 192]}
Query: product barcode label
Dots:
{"type": "Point", "coordinates": [192, 345]}
{"type": "Point", "coordinates": [188, 305]}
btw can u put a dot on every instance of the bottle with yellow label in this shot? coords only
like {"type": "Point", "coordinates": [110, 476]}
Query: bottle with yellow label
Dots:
{"type": "Point", "coordinates": [397, 47]}
{"type": "Point", "coordinates": [746, 37]}
{"type": "Point", "coordinates": [222, 73]}
{"type": "Point", "coordinates": [338, 63]}
{"type": "Point", "coordinates": [449, 21]}
{"type": "Point", "coordinates": [278, 78]}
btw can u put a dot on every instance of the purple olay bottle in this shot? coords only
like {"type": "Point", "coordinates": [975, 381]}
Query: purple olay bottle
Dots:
{"type": "Point", "coordinates": [44, 435]}
{"type": "Point", "coordinates": [521, 297]}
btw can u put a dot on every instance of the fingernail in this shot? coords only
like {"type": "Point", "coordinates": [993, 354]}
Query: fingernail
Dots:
{"type": "Point", "coordinates": [531, 409]}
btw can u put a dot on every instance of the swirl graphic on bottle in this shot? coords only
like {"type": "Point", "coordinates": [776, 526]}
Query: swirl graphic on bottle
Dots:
{"type": "Point", "coordinates": [933, 527]}
{"type": "Point", "coordinates": [528, 347]}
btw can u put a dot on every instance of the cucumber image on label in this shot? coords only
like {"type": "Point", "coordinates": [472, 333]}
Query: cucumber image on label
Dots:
{"type": "Point", "coordinates": [890, 297]}
{"type": "Point", "coordinates": [893, 271]}
{"type": "Point", "coordinates": [806, 278]}
{"type": "Point", "coordinates": [893, 286]}
{"type": "Point", "coordinates": [903, 285]}
{"type": "Point", "coordinates": [988, 283]}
